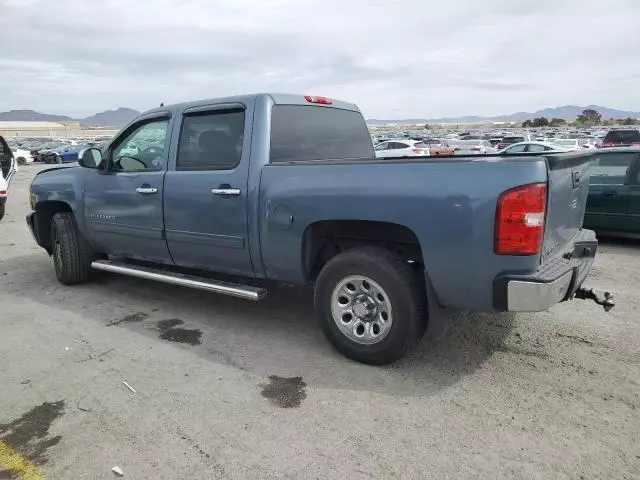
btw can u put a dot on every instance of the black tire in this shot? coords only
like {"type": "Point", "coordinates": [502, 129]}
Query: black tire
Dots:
{"type": "Point", "coordinates": [21, 161]}
{"type": "Point", "coordinates": [72, 255]}
{"type": "Point", "coordinates": [407, 296]}
{"type": "Point", "coordinates": [1, 211]}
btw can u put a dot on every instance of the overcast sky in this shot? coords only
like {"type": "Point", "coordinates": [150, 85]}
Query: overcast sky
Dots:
{"type": "Point", "coordinates": [396, 59]}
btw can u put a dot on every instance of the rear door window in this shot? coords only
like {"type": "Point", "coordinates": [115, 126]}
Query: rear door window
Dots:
{"type": "Point", "coordinates": [211, 140]}
{"type": "Point", "coordinates": [610, 168]}
{"type": "Point", "coordinates": [305, 132]}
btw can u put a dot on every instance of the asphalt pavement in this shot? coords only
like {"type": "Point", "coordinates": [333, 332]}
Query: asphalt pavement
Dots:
{"type": "Point", "coordinates": [170, 383]}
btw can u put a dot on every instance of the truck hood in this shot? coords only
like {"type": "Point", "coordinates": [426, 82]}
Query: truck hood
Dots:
{"type": "Point", "coordinates": [58, 167]}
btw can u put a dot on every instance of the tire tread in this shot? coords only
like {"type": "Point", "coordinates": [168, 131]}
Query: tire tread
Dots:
{"type": "Point", "coordinates": [75, 251]}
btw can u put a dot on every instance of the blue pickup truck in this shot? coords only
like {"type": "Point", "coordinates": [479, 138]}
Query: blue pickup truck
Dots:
{"type": "Point", "coordinates": [230, 194]}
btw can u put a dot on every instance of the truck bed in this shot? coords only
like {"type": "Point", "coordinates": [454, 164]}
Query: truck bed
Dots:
{"type": "Point", "coordinates": [449, 203]}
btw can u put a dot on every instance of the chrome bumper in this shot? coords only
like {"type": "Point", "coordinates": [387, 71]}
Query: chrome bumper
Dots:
{"type": "Point", "coordinates": [526, 296]}
{"type": "Point", "coordinates": [554, 282]}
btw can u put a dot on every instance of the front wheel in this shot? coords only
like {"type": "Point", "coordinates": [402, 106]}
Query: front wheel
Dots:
{"type": "Point", "coordinates": [371, 305]}
{"type": "Point", "coordinates": [1, 211]}
{"type": "Point", "coordinates": [21, 161]}
{"type": "Point", "coordinates": [72, 255]}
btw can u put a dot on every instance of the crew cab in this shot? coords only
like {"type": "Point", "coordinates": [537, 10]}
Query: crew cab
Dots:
{"type": "Point", "coordinates": [229, 195]}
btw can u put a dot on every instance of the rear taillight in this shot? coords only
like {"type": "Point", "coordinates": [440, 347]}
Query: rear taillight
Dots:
{"type": "Point", "coordinates": [520, 220]}
{"type": "Point", "coordinates": [320, 100]}
{"type": "Point", "coordinates": [3, 193]}
{"type": "Point", "coordinates": [417, 150]}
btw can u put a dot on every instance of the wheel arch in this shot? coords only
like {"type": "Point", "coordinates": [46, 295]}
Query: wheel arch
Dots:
{"type": "Point", "coordinates": [324, 239]}
{"type": "Point", "coordinates": [46, 210]}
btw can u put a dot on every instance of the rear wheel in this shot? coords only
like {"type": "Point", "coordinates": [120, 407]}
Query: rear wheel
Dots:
{"type": "Point", "coordinates": [371, 305]}
{"type": "Point", "coordinates": [21, 161]}
{"type": "Point", "coordinates": [72, 255]}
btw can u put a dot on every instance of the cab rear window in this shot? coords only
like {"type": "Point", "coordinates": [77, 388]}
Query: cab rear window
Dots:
{"type": "Point", "coordinates": [307, 133]}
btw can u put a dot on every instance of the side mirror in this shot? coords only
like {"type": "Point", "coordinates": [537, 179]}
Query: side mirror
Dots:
{"type": "Point", "coordinates": [90, 158]}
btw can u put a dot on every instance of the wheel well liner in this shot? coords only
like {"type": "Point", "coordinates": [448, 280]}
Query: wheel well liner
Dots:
{"type": "Point", "coordinates": [46, 210]}
{"type": "Point", "coordinates": [323, 240]}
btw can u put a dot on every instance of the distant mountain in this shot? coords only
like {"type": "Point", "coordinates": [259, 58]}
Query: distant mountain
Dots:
{"type": "Point", "coordinates": [567, 112]}
{"type": "Point", "coordinates": [31, 116]}
{"type": "Point", "coordinates": [111, 118]}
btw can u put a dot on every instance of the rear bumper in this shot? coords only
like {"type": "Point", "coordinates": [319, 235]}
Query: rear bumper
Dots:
{"type": "Point", "coordinates": [554, 282]}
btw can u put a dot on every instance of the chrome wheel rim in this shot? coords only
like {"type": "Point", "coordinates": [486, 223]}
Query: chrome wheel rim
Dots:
{"type": "Point", "coordinates": [361, 309]}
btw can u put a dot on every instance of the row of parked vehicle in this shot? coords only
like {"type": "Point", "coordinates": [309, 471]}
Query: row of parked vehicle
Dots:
{"type": "Point", "coordinates": [506, 145]}
{"type": "Point", "coordinates": [46, 150]}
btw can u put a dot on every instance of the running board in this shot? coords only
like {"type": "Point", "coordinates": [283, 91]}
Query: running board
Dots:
{"type": "Point", "coordinates": [241, 291]}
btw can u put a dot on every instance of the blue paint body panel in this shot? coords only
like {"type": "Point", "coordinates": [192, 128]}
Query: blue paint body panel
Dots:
{"type": "Point", "coordinates": [448, 203]}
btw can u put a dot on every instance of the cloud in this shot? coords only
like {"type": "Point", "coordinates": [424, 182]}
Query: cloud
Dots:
{"type": "Point", "coordinates": [402, 58]}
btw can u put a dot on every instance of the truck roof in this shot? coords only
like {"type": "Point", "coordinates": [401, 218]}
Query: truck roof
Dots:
{"type": "Point", "coordinates": [276, 98]}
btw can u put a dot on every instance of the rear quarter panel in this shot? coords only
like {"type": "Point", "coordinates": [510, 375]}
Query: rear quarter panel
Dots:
{"type": "Point", "coordinates": [449, 205]}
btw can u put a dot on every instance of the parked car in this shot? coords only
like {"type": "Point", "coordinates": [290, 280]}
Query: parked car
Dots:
{"type": "Point", "coordinates": [286, 188]}
{"type": "Point", "coordinates": [4, 187]}
{"type": "Point", "coordinates": [49, 151]}
{"type": "Point", "coordinates": [613, 205]}
{"type": "Point", "coordinates": [70, 154]}
{"type": "Point", "coordinates": [400, 148]}
{"type": "Point", "coordinates": [438, 148]}
{"type": "Point", "coordinates": [621, 138]}
{"type": "Point", "coordinates": [566, 143]}
{"type": "Point", "coordinates": [473, 147]}
{"type": "Point", "coordinates": [22, 156]}
{"type": "Point", "coordinates": [7, 170]}
{"type": "Point", "coordinates": [510, 140]}
{"type": "Point", "coordinates": [523, 148]}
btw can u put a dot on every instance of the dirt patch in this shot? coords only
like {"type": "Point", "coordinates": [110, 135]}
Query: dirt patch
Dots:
{"type": "Point", "coordinates": [285, 392]}
{"type": "Point", "coordinates": [29, 434]}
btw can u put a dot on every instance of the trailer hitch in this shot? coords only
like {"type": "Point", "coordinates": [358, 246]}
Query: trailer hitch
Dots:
{"type": "Point", "coordinates": [601, 298]}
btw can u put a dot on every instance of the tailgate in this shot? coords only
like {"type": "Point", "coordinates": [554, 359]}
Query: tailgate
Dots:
{"type": "Point", "coordinates": [568, 191]}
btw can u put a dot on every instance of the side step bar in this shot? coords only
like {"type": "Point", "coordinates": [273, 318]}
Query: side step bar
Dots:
{"type": "Point", "coordinates": [242, 291]}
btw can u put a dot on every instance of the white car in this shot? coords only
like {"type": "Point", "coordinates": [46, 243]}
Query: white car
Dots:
{"type": "Point", "coordinates": [566, 143]}
{"type": "Point", "coordinates": [22, 156]}
{"type": "Point", "coordinates": [3, 194]}
{"type": "Point", "coordinates": [473, 147]}
{"type": "Point", "coordinates": [522, 148]}
{"type": "Point", "coordinates": [401, 148]}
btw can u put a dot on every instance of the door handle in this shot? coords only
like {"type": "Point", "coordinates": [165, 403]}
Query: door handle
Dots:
{"type": "Point", "coordinates": [610, 194]}
{"type": "Point", "coordinates": [146, 190]}
{"type": "Point", "coordinates": [225, 190]}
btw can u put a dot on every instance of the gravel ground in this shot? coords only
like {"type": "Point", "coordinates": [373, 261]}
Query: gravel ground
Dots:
{"type": "Point", "coordinates": [228, 389]}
